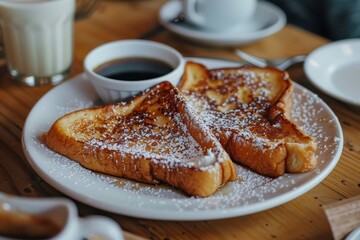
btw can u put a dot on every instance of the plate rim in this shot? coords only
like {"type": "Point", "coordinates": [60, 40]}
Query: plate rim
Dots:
{"type": "Point", "coordinates": [214, 39]}
{"type": "Point", "coordinates": [308, 69]}
{"type": "Point", "coordinates": [186, 215]}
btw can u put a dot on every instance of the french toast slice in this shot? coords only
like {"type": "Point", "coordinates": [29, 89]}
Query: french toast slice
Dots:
{"type": "Point", "coordinates": [248, 110]}
{"type": "Point", "coordinates": [155, 137]}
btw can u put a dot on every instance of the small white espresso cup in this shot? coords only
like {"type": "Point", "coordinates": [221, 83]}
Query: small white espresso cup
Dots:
{"type": "Point", "coordinates": [127, 52]}
{"type": "Point", "coordinates": [215, 15]}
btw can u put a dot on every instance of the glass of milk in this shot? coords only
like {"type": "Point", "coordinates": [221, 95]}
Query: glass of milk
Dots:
{"type": "Point", "coordinates": [37, 39]}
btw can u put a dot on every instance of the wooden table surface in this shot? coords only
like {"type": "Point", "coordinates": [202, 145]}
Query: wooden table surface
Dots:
{"type": "Point", "coordinates": [301, 218]}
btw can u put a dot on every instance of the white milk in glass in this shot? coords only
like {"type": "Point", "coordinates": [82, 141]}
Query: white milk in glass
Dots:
{"type": "Point", "coordinates": [38, 39]}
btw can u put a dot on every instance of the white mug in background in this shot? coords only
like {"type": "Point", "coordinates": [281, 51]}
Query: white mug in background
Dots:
{"type": "Point", "coordinates": [37, 37]}
{"type": "Point", "coordinates": [215, 15]}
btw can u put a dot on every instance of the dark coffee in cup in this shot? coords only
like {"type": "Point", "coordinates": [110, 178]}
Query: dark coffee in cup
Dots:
{"type": "Point", "coordinates": [133, 69]}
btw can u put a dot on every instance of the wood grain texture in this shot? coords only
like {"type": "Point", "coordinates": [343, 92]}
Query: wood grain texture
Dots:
{"type": "Point", "coordinates": [343, 216]}
{"type": "Point", "coordinates": [301, 218]}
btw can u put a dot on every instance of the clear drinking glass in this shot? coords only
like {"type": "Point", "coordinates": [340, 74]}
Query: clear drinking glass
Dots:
{"type": "Point", "coordinates": [37, 38]}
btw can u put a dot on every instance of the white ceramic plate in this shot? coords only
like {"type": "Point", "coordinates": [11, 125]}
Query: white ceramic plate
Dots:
{"type": "Point", "coordinates": [256, 193]}
{"type": "Point", "coordinates": [335, 69]}
{"type": "Point", "coordinates": [268, 19]}
{"type": "Point", "coordinates": [354, 235]}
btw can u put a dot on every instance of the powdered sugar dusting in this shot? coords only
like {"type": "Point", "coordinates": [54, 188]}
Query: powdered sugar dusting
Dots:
{"type": "Point", "coordinates": [252, 189]}
{"type": "Point", "coordinates": [316, 121]}
{"type": "Point", "coordinates": [74, 104]}
{"type": "Point", "coordinates": [155, 130]}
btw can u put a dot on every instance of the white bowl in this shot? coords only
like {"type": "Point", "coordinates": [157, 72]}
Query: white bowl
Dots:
{"type": "Point", "coordinates": [111, 90]}
{"type": "Point", "coordinates": [335, 69]}
{"type": "Point", "coordinates": [60, 212]}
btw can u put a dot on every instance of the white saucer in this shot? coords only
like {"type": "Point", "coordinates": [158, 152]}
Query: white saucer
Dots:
{"type": "Point", "coordinates": [268, 19]}
{"type": "Point", "coordinates": [335, 69]}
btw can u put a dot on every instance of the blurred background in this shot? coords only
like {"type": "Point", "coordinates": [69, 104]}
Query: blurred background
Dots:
{"type": "Point", "coordinates": [333, 19]}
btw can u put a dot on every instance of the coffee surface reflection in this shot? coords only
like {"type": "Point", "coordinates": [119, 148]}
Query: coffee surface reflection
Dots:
{"type": "Point", "coordinates": [133, 69]}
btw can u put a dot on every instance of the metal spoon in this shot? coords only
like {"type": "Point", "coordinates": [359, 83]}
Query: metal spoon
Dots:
{"type": "Point", "coordinates": [178, 19]}
{"type": "Point", "coordinates": [279, 63]}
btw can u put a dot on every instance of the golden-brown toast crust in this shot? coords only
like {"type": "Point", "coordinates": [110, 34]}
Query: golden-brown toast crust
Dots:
{"type": "Point", "coordinates": [156, 137]}
{"type": "Point", "coordinates": [248, 110]}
